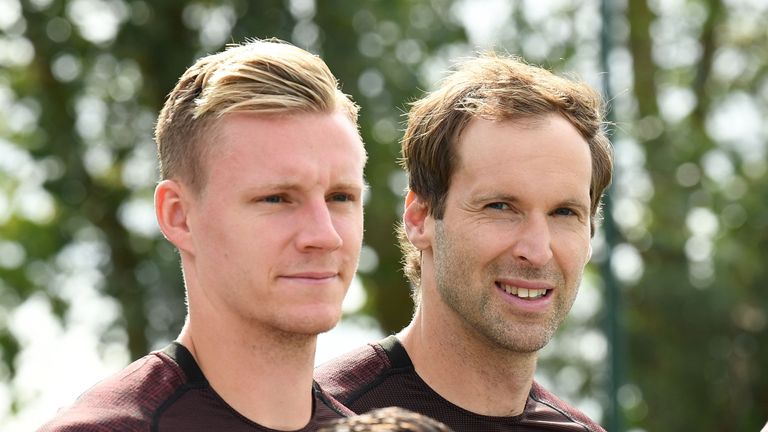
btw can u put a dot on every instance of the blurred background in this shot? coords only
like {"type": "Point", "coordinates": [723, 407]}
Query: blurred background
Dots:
{"type": "Point", "coordinates": [670, 327]}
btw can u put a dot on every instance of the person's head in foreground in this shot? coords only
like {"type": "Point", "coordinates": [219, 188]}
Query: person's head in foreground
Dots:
{"type": "Point", "coordinates": [390, 419]}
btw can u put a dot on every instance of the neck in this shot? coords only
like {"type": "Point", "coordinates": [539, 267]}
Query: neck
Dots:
{"type": "Point", "coordinates": [264, 374]}
{"type": "Point", "coordinates": [495, 381]}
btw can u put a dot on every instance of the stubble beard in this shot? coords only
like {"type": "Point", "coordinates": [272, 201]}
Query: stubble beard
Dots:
{"type": "Point", "coordinates": [472, 298]}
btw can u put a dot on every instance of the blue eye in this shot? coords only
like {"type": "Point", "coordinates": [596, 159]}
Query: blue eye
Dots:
{"type": "Point", "coordinates": [342, 197]}
{"type": "Point", "coordinates": [273, 199]}
{"type": "Point", "coordinates": [498, 206]}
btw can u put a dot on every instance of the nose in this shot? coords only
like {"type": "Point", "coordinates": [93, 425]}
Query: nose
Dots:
{"type": "Point", "coordinates": [316, 229]}
{"type": "Point", "coordinates": [533, 241]}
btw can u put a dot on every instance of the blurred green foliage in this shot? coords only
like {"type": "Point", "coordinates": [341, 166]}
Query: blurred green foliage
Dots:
{"type": "Point", "coordinates": [81, 82]}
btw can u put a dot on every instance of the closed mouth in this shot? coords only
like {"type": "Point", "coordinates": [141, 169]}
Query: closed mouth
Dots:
{"type": "Point", "coordinates": [312, 275]}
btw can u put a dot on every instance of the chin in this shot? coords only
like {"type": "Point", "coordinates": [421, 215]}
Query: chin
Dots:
{"type": "Point", "coordinates": [314, 322]}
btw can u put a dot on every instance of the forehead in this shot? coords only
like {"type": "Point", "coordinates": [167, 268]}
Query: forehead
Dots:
{"type": "Point", "coordinates": [293, 145]}
{"type": "Point", "coordinates": [547, 152]}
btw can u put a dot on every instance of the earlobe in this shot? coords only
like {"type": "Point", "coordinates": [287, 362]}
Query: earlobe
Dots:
{"type": "Point", "coordinates": [172, 214]}
{"type": "Point", "coordinates": [416, 221]}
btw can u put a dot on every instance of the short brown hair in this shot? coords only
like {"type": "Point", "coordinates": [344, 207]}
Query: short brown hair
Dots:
{"type": "Point", "coordinates": [260, 76]}
{"type": "Point", "coordinates": [493, 87]}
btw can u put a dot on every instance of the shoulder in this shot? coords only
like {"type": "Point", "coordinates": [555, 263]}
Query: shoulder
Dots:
{"type": "Point", "coordinates": [124, 401]}
{"type": "Point", "coordinates": [544, 396]}
{"type": "Point", "coordinates": [327, 407]}
{"type": "Point", "coordinates": [345, 375]}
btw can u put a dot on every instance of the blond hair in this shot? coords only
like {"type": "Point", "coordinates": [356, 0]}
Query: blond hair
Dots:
{"type": "Point", "coordinates": [261, 77]}
{"type": "Point", "coordinates": [493, 87]}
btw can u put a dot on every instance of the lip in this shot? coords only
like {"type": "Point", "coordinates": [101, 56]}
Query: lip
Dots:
{"type": "Point", "coordinates": [524, 283]}
{"type": "Point", "coordinates": [311, 276]}
{"type": "Point", "coordinates": [537, 305]}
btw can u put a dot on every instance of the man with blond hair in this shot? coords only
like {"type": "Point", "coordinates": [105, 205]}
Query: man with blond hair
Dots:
{"type": "Point", "coordinates": [261, 193]}
{"type": "Point", "coordinates": [507, 165]}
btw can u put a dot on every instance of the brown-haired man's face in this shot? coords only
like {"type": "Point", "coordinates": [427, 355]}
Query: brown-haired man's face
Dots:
{"type": "Point", "coordinates": [508, 255]}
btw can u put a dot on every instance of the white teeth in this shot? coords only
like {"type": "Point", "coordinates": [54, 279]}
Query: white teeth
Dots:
{"type": "Point", "coordinates": [524, 292]}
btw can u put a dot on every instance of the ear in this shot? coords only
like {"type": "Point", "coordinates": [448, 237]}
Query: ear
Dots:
{"type": "Point", "coordinates": [171, 210]}
{"type": "Point", "coordinates": [417, 222]}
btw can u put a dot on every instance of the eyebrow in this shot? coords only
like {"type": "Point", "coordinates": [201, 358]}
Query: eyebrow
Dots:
{"type": "Point", "coordinates": [495, 196]}
{"type": "Point", "coordinates": [291, 185]}
{"type": "Point", "coordinates": [345, 184]}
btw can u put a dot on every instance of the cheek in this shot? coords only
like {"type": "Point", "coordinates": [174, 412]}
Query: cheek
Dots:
{"type": "Point", "coordinates": [571, 247]}
{"type": "Point", "coordinates": [350, 228]}
{"type": "Point", "coordinates": [573, 257]}
{"type": "Point", "coordinates": [210, 236]}
{"type": "Point", "coordinates": [487, 244]}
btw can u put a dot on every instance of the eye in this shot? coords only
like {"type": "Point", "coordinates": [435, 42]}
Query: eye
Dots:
{"type": "Point", "coordinates": [273, 199]}
{"type": "Point", "coordinates": [498, 206]}
{"type": "Point", "coordinates": [564, 211]}
{"type": "Point", "coordinates": [341, 197]}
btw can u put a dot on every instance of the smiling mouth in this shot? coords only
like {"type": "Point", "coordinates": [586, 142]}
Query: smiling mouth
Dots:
{"type": "Point", "coordinates": [523, 293]}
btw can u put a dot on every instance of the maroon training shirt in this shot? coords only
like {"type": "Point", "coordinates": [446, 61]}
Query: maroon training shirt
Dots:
{"type": "Point", "coordinates": [381, 375]}
{"type": "Point", "coordinates": [167, 391]}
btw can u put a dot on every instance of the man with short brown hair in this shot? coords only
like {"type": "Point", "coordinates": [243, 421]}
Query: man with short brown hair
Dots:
{"type": "Point", "coordinates": [507, 165]}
